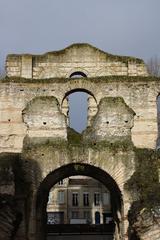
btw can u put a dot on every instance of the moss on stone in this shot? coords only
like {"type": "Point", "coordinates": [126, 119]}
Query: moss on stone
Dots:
{"type": "Point", "coordinates": [73, 136]}
{"type": "Point", "coordinates": [121, 145]}
{"type": "Point", "coordinates": [145, 180]}
{"type": "Point", "coordinates": [79, 167]}
{"type": "Point", "coordinates": [12, 162]}
{"type": "Point", "coordinates": [103, 79]}
{"type": "Point", "coordinates": [36, 142]}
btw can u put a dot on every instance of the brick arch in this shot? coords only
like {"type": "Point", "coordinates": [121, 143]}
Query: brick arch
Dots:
{"type": "Point", "coordinates": [73, 169]}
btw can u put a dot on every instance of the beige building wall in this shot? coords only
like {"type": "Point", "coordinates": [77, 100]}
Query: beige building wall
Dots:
{"type": "Point", "coordinates": [139, 95]}
{"type": "Point", "coordinates": [79, 185]}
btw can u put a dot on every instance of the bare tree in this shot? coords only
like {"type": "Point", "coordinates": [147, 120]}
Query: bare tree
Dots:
{"type": "Point", "coordinates": [153, 66]}
{"type": "Point", "coordinates": [2, 72]}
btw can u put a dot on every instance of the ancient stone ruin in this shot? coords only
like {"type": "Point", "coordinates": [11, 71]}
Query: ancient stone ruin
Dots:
{"type": "Point", "coordinates": [118, 147]}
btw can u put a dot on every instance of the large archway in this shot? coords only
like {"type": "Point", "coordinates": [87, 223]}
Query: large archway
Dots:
{"type": "Point", "coordinates": [72, 170]}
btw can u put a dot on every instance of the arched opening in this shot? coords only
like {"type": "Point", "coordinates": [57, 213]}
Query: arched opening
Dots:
{"type": "Point", "coordinates": [78, 74]}
{"type": "Point", "coordinates": [79, 106]}
{"type": "Point", "coordinates": [75, 169]}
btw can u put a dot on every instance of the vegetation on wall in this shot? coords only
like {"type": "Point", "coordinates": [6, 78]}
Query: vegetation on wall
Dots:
{"type": "Point", "coordinates": [102, 79]}
{"type": "Point", "coordinates": [145, 181]}
{"type": "Point", "coordinates": [11, 169]}
{"type": "Point", "coordinates": [144, 187]}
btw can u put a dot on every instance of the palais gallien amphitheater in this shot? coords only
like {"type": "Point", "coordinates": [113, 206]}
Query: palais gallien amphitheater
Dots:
{"type": "Point", "coordinates": [118, 150]}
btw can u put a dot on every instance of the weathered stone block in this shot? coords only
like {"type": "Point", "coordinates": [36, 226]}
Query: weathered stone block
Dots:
{"type": "Point", "coordinates": [112, 122]}
{"type": "Point", "coordinates": [43, 117]}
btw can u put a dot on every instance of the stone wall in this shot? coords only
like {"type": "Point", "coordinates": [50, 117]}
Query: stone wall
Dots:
{"type": "Point", "coordinates": [122, 121]}
{"type": "Point", "coordinates": [140, 94]}
{"type": "Point", "coordinates": [75, 58]}
{"type": "Point", "coordinates": [145, 224]}
{"type": "Point", "coordinates": [117, 161]}
{"type": "Point", "coordinates": [44, 119]}
{"type": "Point", "coordinates": [113, 121]}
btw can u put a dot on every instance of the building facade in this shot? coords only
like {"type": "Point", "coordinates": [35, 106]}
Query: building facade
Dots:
{"type": "Point", "coordinates": [79, 200]}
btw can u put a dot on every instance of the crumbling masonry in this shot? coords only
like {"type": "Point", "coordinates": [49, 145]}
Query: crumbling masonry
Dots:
{"type": "Point", "coordinates": [117, 148]}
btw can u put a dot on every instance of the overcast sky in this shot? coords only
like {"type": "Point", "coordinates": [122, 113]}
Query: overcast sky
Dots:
{"type": "Point", "coordinates": [124, 27]}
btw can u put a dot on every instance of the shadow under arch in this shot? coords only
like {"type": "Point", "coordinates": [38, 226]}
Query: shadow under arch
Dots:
{"type": "Point", "coordinates": [73, 169]}
{"type": "Point", "coordinates": [78, 74]}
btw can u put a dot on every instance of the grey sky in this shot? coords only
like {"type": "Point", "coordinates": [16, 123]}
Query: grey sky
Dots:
{"type": "Point", "coordinates": [127, 27]}
{"type": "Point", "coordinates": [124, 27]}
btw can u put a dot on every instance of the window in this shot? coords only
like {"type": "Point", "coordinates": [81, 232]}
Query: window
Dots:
{"type": "Point", "coordinates": [97, 199]}
{"type": "Point", "coordinates": [60, 197]}
{"type": "Point", "coordinates": [106, 198]}
{"type": "Point", "coordinates": [85, 199]}
{"type": "Point", "coordinates": [74, 199]}
{"type": "Point", "coordinates": [87, 216]}
{"type": "Point", "coordinates": [75, 215]}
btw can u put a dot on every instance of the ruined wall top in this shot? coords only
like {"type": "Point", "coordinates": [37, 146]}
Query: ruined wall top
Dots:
{"type": "Point", "coordinates": [77, 58]}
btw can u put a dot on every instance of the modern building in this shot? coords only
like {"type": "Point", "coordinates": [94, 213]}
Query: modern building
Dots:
{"type": "Point", "coordinates": [79, 200]}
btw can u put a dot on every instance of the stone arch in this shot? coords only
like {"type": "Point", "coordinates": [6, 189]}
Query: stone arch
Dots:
{"type": "Point", "coordinates": [78, 73]}
{"type": "Point", "coordinates": [84, 72]}
{"type": "Point", "coordinates": [92, 104]}
{"type": "Point", "coordinates": [73, 169]}
{"type": "Point", "coordinates": [78, 90]}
